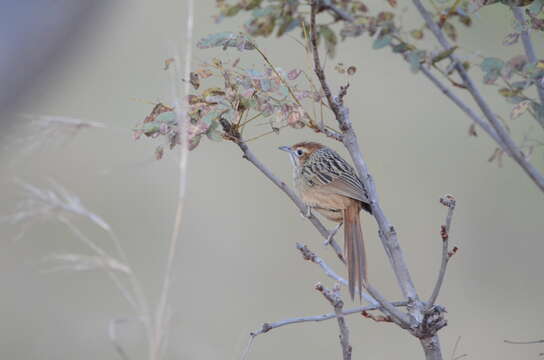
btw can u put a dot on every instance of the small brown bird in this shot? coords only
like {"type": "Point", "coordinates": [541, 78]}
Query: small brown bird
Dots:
{"type": "Point", "coordinates": [328, 184]}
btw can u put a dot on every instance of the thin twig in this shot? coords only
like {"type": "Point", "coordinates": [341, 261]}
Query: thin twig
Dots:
{"type": "Point", "coordinates": [161, 323]}
{"type": "Point", "coordinates": [507, 143]}
{"type": "Point", "coordinates": [340, 13]}
{"type": "Point", "coordinates": [530, 52]}
{"type": "Point", "coordinates": [333, 296]}
{"type": "Point", "coordinates": [461, 104]}
{"type": "Point", "coordinates": [524, 342]}
{"type": "Point", "coordinates": [266, 327]}
{"type": "Point", "coordinates": [449, 202]}
{"type": "Point", "coordinates": [309, 255]}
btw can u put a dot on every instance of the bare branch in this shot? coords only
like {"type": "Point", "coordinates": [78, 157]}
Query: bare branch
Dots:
{"type": "Point", "coordinates": [336, 301]}
{"type": "Point", "coordinates": [464, 107]}
{"type": "Point", "coordinates": [266, 327]}
{"type": "Point", "coordinates": [449, 202]}
{"type": "Point", "coordinates": [506, 140]}
{"type": "Point", "coordinates": [529, 51]}
{"type": "Point", "coordinates": [309, 255]}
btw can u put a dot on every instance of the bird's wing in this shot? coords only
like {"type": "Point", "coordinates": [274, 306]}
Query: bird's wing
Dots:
{"type": "Point", "coordinates": [328, 168]}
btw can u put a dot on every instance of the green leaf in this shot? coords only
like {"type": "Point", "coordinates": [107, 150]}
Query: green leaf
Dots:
{"type": "Point", "coordinates": [414, 58]}
{"type": "Point", "coordinates": [450, 31]}
{"type": "Point", "coordinates": [225, 40]}
{"type": "Point", "coordinates": [490, 64]}
{"type": "Point", "coordinates": [444, 54]}
{"type": "Point", "coordinates": [214, 133]}
{"type": "Point", "coordinates": [536, 7]}
{"type": "Point", "coordinates": [168, 117]}
{"type": "Point", "coordinates": [491, 76]}
{"type": "Point", "coordinates": [401, 48]}
{"type": "Point", "coordinates": [288, 24]}
{"type": "Point", "coordinates": [330, 39]}
{"type": "Point", "coordinates": [210, 117]}
{"type": "Point", "coordinates": [231, 10]}
{"type": "Point", "coordinates": [382, 41]}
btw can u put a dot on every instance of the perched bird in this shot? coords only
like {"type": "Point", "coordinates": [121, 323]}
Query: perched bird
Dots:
{"type": "Point", "coordinates": [330, 185]}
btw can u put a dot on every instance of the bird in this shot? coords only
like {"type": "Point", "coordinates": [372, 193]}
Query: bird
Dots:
{"type": "Point", "coordinates": [329, 184]}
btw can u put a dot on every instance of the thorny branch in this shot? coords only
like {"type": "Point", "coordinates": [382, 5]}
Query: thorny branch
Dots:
{"type": "Point", "coordinates": [507, 143]}
{"type": "Point", "coordinates": [333, 296]}
{"type": "Point", "coordinates": [449, 202]}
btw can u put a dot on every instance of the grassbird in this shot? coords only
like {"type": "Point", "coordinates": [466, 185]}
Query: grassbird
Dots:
{"type": "Point", "coordinates": [329, 184]}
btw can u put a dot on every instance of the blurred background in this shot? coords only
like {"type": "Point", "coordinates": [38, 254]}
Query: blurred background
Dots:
{"type": "Point", "coordinates": [237, 265]}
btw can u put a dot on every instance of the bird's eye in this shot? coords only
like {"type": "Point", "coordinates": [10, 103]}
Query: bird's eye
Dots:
{"type": "Point", "coordinates": [300, 152]}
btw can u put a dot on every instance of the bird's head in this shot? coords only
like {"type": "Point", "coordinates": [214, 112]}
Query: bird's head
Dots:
{"type": "Point", "coordinates": [300, 152]}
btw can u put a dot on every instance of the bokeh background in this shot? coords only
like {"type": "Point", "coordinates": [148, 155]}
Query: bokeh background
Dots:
{"type": "Point", "coordinates": [237, 265]}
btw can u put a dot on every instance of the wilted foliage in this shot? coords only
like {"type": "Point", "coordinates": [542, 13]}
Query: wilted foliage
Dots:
{"type": "Point", "coordinates": [271, 94]}
{"type": "Point", "coordinates": [276, 96]}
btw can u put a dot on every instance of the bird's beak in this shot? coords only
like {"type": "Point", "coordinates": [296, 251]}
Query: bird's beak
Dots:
{"type": "Point", "coordinates": [286, 148]}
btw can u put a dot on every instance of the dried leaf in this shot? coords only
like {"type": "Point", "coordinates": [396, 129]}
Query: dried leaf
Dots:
{"type": "Point", "coordinates": [195, 80]}
{"type": "Point", "coordinates": [159, 152]}
{"type": "Point", "coordinates": [472, 130]}
{"type": "Point", "coordinates": [293, 74]}
{"type": "Point", "coordinates": [417, 34]}
{"type": "Point", "coordinates": [225, 40]}
{"type": "Point", "coordinates": [167, 63]}
{"type": "Point", "coordinates": [510, 39]}
{"type": "Point", "coordinates": [157, 109]}
{"type": "Point", "coordinates": [385, 16]}
{"type": "Point", "coordinates": [392, 3]}
{"type": "Point", "coordinates": [450, 31]}
{"type": "Point", "coordinates": [204, 73]}
{"type": "Point", "coordinates": [340, 68]}
{"type": "Point", "coordinates": [519, 109]}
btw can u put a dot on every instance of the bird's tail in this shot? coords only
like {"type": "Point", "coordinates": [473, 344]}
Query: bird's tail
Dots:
{"type": "Point", "coordinates": [354, 248]}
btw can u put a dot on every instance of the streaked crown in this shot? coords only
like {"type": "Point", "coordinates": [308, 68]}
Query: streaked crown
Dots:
{"type": "Point", "coordinates": [300, 152]}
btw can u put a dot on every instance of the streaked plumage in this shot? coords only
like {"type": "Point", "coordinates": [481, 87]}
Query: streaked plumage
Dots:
{"type": "Point", "coordinates": [330, 185]}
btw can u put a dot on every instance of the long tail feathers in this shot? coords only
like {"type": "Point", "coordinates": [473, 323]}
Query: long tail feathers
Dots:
{"type": "Point", "coordinates": [354, 247]}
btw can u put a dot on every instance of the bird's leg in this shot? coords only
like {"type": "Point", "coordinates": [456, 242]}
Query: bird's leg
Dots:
{"type": "Point", "coordinates": [308, 214]}
{"type": "Point", "coordinates": [332, 233]}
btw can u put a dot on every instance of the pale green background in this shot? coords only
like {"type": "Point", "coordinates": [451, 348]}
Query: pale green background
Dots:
{"type": "Point", "coordinates": [237, 265]}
